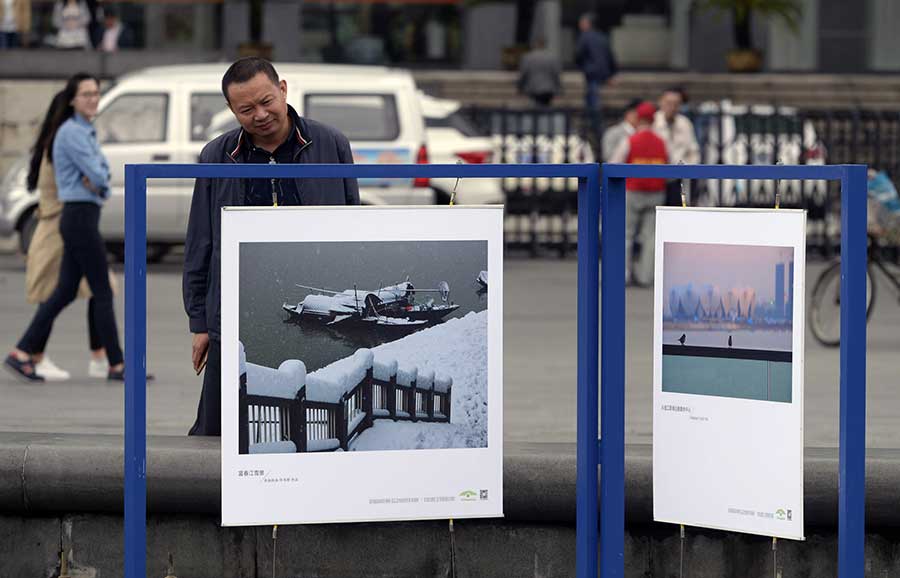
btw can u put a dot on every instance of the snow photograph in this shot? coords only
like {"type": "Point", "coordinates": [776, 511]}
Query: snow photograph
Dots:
{"type": "Point", "coordinates": [362, 346]}
{"type": "Point", "coordinates": [728, 320]}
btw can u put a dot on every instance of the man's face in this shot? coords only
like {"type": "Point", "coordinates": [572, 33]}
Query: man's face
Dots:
{"type": "Point", "coordinates": [669, 103]}
{"type": "Point", "coordinates": [584, 24]}
{"type": "Point", "coordinates": [631, 116]}
{"type": "Point", "coordinates": [260, 106]}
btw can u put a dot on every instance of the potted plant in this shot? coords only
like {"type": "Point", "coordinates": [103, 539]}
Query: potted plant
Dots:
{"type": "Point", "coordinates": [745, 57]}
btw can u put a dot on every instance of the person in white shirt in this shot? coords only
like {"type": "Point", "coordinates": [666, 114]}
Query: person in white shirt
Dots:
{"type": "Point", "coordinates": [619, 133]}
{"type": "Point", "coordinates": [15, 23]}
{"type": "Point", "coordinates": [71, 18]}
{"type": "Point", "coordinates": [681, 140]}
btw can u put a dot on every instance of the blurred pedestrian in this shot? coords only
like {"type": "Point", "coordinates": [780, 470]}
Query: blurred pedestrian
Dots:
{"type": "Point", "coordinates": [595, 58]}
{"type": "Point", "coordinates": [115, 34]}
{"type": "Point", "coordinates": [642, 195]}
{"type": "Point", "coordinates": [271, 131]}
{"type": "Point", "coordinates": [678, 132]}
{"type": "Point", "coordinates": [15, 23]}
{"type": "Point", "coordinates": [82, 177]}
{"type": "Point", "coordinates": [72, 18]}
{"type": "Point", "coordinates": [539, 73]}
{"type": "Point", "coordinates": [45, 250]}
{"type": "Point", "coordinates": [615, 135]}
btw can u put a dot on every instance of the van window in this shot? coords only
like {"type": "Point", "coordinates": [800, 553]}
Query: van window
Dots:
{"type": "Point", "coordinates": [133, 118]}
{"type": "Point", "coordinates": [360, 117]}
{"type": "Point", "coordinates": [210, 116]}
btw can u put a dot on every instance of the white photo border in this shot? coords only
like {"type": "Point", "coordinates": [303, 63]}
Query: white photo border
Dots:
{"type": "Point", "coordinates": [372, 485]}
{"type": "Point", "coordinates": [698, 478]}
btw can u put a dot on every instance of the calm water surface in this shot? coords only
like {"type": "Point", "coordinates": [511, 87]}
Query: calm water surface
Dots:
{"type": "Point", "coordinates": [270, 271]}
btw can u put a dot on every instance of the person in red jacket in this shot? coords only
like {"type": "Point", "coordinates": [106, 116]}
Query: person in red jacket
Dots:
{"type": "Point", "coordinates": [642, 196]}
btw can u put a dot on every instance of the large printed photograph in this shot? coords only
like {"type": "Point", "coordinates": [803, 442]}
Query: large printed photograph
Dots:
{"type": "Point", "coordinates": [361, 346]}
{"type": "Point", "coordinates": [728, 320]}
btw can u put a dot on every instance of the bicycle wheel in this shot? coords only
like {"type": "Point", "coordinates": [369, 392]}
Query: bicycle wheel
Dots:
{"type": "Point", "coordinates": [825, 304]}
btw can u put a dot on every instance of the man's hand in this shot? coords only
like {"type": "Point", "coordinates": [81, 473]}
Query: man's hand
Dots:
{"type": "Point", "coordinates": [199, 349]}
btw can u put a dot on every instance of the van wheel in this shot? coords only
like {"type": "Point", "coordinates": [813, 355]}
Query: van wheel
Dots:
{"type": "Point", "coordinates": [155, 253]}
{"type": "Point", "coordinates": [26, 231]}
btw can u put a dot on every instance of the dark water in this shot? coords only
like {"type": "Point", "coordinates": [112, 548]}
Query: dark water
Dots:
{"type": "Point", "coordinates": [269, 272]}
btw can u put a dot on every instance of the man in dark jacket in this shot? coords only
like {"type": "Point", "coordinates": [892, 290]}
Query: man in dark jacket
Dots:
{"type": "Point", "coordinates": [271, 132]}
{"type": "Point", "coordinates": [539, 73]}
{"type": "Point", "coordinates": [594, 57]}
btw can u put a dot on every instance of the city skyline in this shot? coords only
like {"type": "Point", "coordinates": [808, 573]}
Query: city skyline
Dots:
{"type": "Point", "coordinates": [725, 266]}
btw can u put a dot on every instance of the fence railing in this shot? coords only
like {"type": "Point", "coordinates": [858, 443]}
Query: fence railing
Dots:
{"type": "Point", "coordinates": [542, 213]}
{"type": "Point", "coordinates": [277, 424]}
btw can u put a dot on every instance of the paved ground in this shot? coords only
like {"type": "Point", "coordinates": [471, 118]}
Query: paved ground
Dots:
{"type": "Point", "coordinates": [539, 357]}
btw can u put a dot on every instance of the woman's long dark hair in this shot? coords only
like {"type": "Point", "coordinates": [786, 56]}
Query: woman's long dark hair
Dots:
{"type": "Point", "coordinates": [60, 111]}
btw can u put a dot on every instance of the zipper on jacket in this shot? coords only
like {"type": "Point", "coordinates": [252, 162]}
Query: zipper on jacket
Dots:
{"type": "Point", "coordinates": [274, 191]}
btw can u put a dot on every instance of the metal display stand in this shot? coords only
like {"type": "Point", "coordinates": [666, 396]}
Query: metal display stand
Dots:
{"type": "Point", "coordinates": [609, 451]}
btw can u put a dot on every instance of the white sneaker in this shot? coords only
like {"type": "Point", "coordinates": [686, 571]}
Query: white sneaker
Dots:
{"type": "Point", "coordinates": [50, 372]}
{"type": "Point", "coordinates": [98, 369]}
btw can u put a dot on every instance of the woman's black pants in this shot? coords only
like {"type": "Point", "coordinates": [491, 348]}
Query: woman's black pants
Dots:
{"type": "Point", "coordinates": [84, 255]}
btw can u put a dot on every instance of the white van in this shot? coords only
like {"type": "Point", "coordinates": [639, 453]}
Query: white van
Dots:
{"type": "Point", "coordinates": [167, 114]}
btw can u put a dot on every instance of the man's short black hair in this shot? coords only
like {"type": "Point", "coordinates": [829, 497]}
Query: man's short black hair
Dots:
{"type": "Point", "coordinates": [633, 104]}
{"type": "Point", "coordinates": [245, 69]}
{"type": "Point", "coordinates": [677, 90]}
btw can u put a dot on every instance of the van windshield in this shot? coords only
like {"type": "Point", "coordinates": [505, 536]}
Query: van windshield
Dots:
{"type": "Point", "coordinates": [361, 117]}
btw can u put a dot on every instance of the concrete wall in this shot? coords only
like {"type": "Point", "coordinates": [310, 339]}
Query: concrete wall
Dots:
{"type": "Point", "coordinates": [65, 492]}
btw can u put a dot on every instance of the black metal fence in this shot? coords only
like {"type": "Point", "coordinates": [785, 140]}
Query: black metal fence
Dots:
{"type": "Point", "coordinates": [542, 213]}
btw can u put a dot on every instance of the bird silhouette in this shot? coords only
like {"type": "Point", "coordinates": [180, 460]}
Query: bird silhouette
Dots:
{"type": "Point", "coordinates": [682, 339]}
{"type": "Point", "coordinates": [729, 341]}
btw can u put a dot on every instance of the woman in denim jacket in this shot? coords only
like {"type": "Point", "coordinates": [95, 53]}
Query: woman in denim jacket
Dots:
{"type": "Point", "coordinates": [82, 178]}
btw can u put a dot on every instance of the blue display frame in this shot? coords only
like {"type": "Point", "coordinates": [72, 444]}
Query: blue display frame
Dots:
{"type": "Point", "coordinates": [851, 500]}
{"type": "Point", "coordinates": [591, 452]}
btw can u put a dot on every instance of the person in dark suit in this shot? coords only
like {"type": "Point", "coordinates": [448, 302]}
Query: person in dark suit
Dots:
{"type": "Point", "coordinates": [539, 73]}
{"type": "Point", "coordinates": [594, 57]}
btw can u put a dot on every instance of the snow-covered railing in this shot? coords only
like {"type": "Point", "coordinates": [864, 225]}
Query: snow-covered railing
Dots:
{"type": "Point", "coordinates": [271, 417]}
{"type": "Point", "coordinates": [286, 410]}
{"type": "Point", "coordinates": [404, 393]}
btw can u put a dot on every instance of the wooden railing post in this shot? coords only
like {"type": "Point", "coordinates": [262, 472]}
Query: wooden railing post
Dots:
{"type": "Point", "coordinates": [392, 396]}
{"type": "Point", "coordinates": [243, 418]}
{"type": "Point", "coordinates": [368, 399]}
{"type": "Point", "coordinates": [298, 420]}
{"type": "Point", "coordinates": [413, 405]}
{"type": "Point", "coordinates": [448, 400]}
{"type": "Point", "coordinates": [341, 417]}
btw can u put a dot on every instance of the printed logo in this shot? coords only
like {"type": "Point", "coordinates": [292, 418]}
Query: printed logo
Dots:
{"type": "Point", "coordinates": [468, 495]}
{"type": "Point", "coordinates": [780, 514]}
{"type": "Point", "coordinates": [483, 495]}
{"type": "Point", "coordinates": [790, 515]}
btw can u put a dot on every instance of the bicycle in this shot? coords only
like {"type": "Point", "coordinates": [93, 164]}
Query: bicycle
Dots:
{"type": "Point", "coordinates": [883, 226]}
{"type": "Point", "coordinates": [824, 315]}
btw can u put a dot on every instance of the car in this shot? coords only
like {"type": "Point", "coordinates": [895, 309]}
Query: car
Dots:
{"type": "Point", "coordinates": [452, 138]}
{"type": "Point", "coordinates": [167, 114]}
